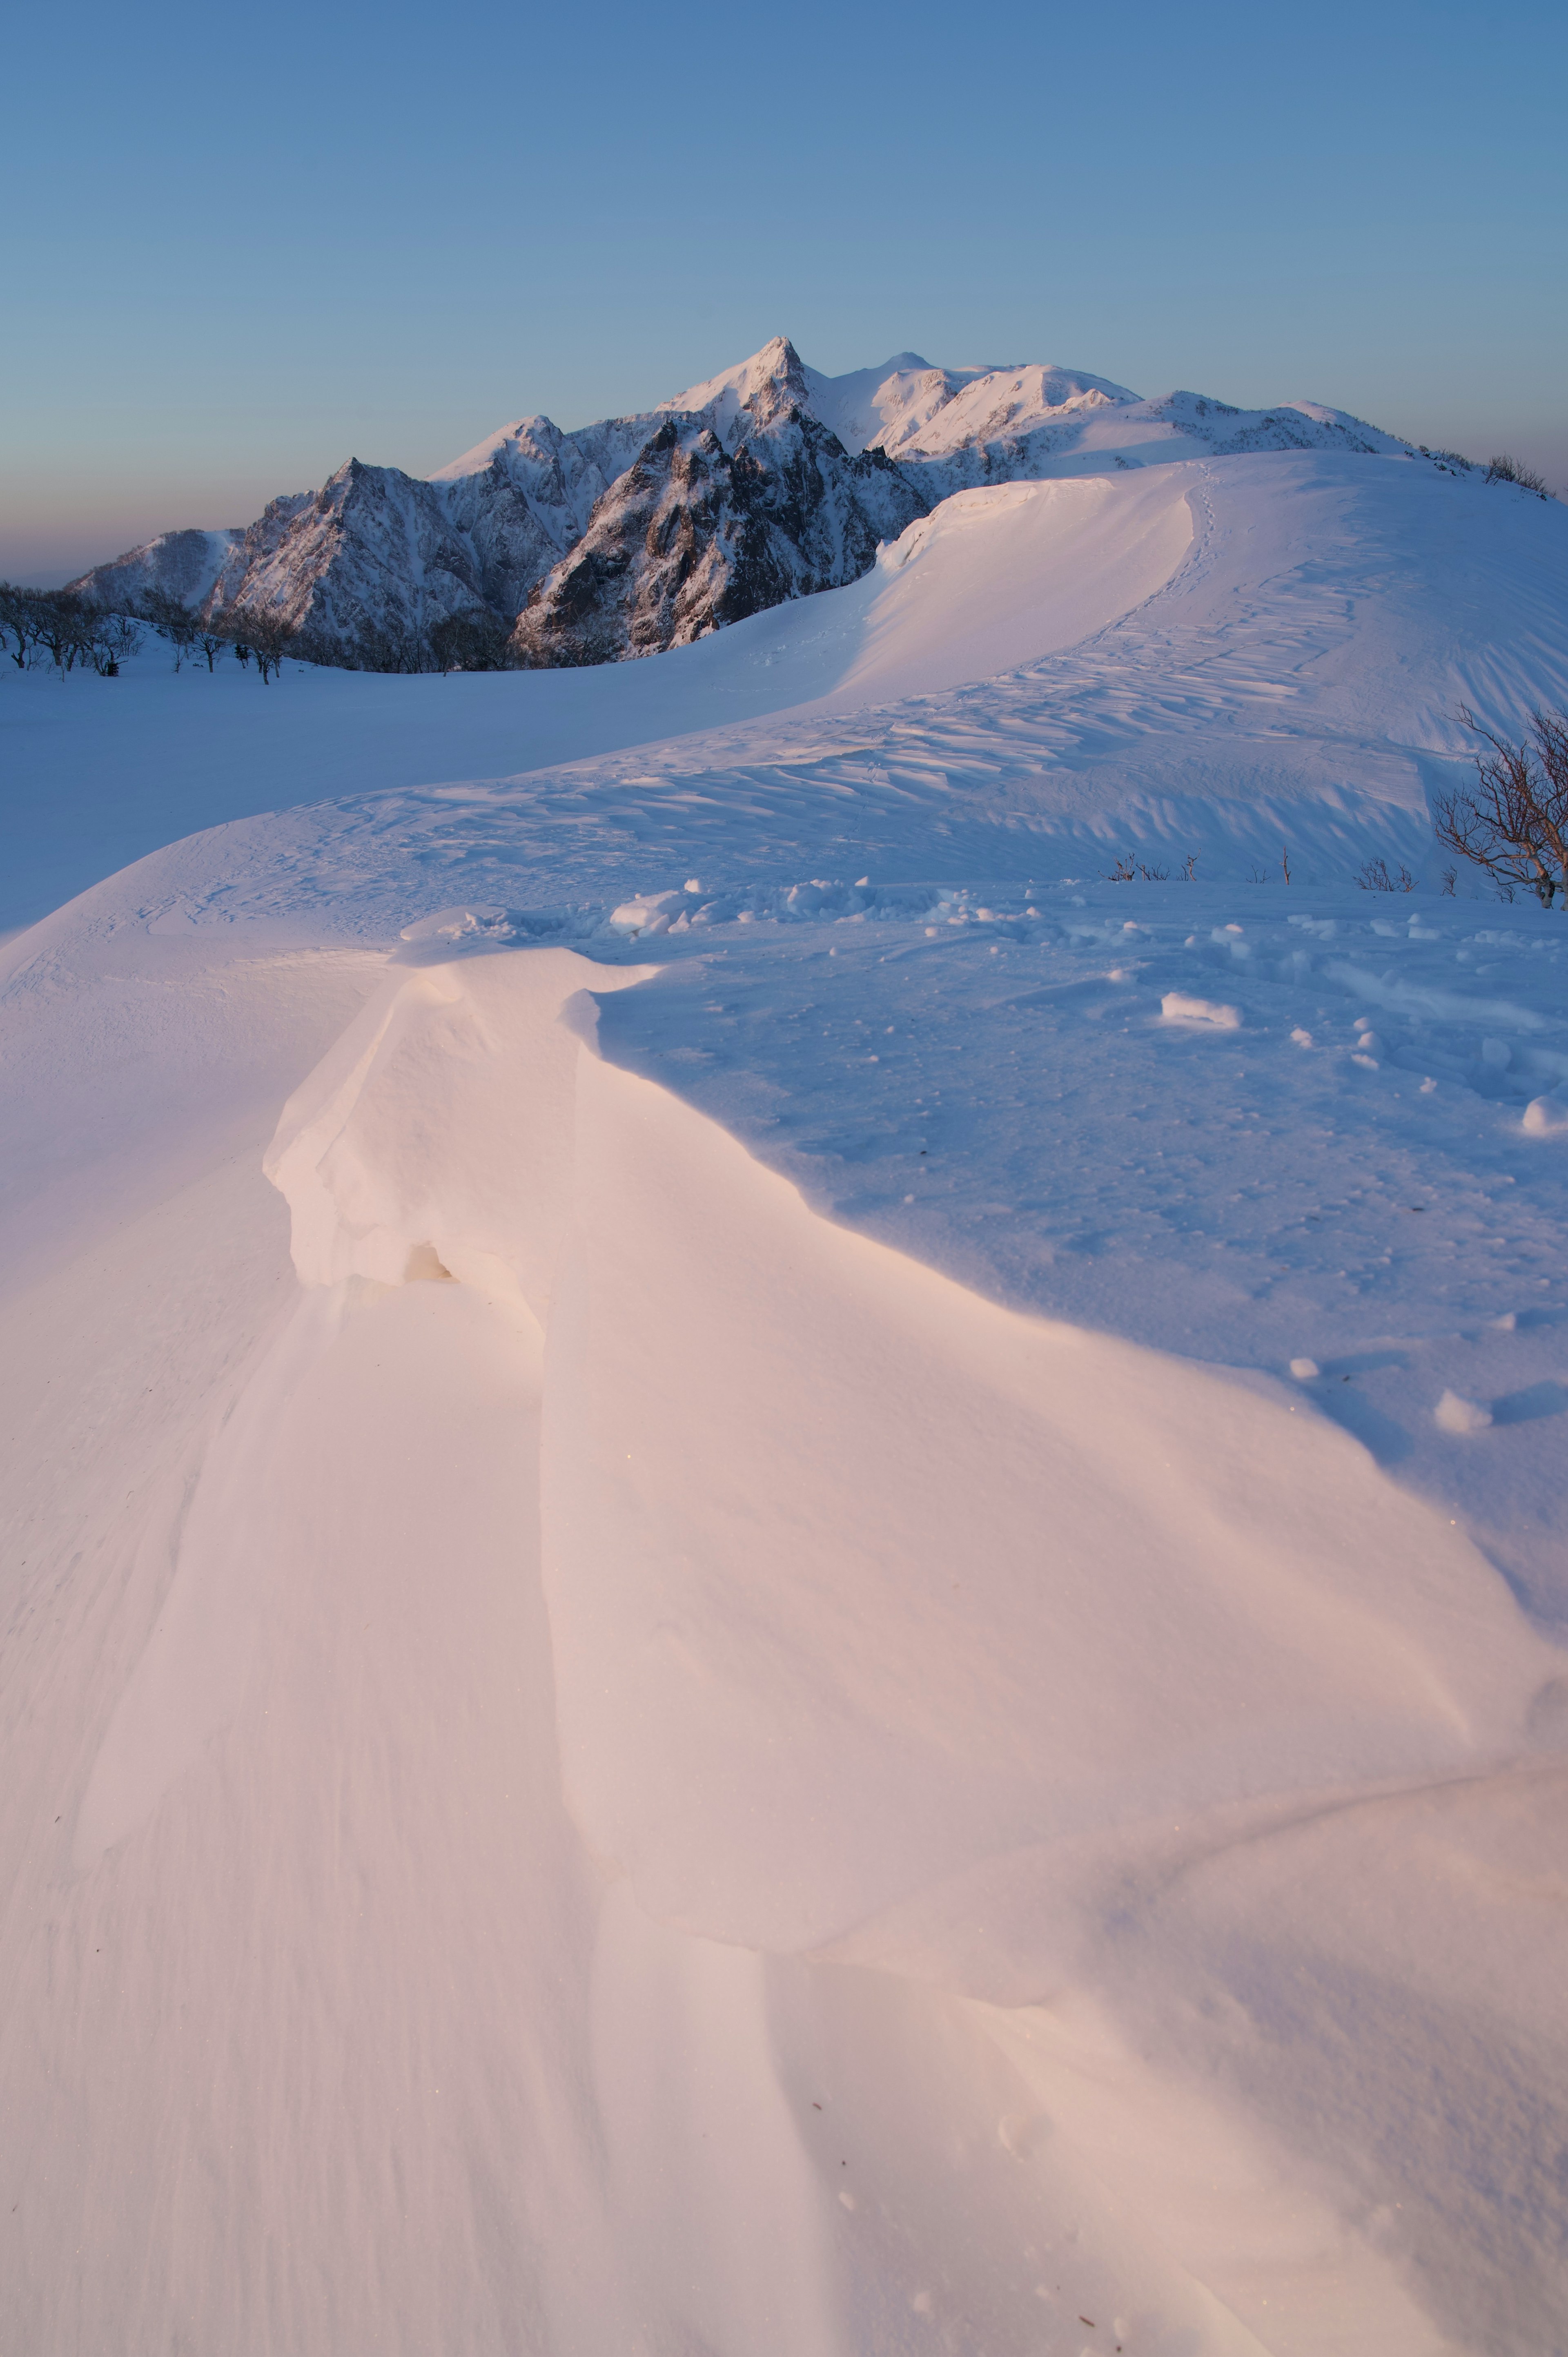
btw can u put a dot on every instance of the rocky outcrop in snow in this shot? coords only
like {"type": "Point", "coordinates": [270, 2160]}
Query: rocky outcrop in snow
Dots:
{"type": "Point", "coordinates": [711, 525]}
{"type": "Point", "coordinates": [767, 482]}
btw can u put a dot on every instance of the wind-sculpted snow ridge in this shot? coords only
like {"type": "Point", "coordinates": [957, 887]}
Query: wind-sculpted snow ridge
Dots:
{"type": "Point", "coordinates": [607, 1751]}
{"type": "Point", "coordinates": [766, 483]}
{"type": "Point", "coordinates": [758, 1674]}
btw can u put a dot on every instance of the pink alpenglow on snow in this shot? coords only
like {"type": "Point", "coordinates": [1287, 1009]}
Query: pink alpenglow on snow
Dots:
{"type": "Point", "coordinates": [781, 1578]}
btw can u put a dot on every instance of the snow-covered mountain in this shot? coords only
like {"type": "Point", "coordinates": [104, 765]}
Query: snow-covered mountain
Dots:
{"type": "Point", "coordinates": [767, 482]}
{"type": "Point", "coordinates": [761, 504]}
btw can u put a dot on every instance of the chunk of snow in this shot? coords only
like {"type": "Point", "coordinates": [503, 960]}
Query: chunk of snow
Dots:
{"type": "Point", "coordinates": [1453, 1414]}
{"type": "Point", "coordinates": [456, 924]}
{"type": "Point", "coordinates": [1177, 1006]}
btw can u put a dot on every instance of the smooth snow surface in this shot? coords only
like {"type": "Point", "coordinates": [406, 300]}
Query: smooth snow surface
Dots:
{"type": "Point", "coordinates": [992, 580]}
{"type": "Point", "coordinates": [781, 1581]}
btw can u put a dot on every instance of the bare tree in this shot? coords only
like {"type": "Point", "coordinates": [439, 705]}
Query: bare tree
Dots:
{"type": "Point", "coordinates": [267, 635]}
{"type": "Point", "coordinates": [65, 625]}
{"type": "Point", "coordinates": [111, 638]}
{"type": "Point", "coordinates": [172, 621]}
{"type": "Point", "coordinates": [1513, 822]}
{"type": "Point", "coordinates": [19, 620]}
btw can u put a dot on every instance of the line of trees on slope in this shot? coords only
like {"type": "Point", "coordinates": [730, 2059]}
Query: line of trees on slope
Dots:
{"type": "Point", "coordinates": [61, 630]}
{"type": "Point", "coordinates": [475, 640]}
{"type": "Point", "coordinates": [58, 628]}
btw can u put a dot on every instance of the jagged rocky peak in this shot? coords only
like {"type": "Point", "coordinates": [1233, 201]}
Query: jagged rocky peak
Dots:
{"type": "Point", "coordinates": [749, 398]}
{"type": "Point", "coordinates": [766, 481]}
{"type": "Point", "coordinates": [694, 535]}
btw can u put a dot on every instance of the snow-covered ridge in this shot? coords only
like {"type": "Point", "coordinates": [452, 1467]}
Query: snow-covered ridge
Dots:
{"type": "Point", "coordinates": [802, 475]}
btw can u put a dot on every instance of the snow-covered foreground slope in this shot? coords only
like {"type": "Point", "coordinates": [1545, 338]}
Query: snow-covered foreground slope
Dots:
{"type": "Point", "coordinates": [749, 1612]}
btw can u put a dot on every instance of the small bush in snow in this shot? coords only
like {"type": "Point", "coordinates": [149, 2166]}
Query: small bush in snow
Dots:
{"type": "Point", "coordinates": [1373, 875]}
{"type": "Point", "coordinates": [1504, 469]}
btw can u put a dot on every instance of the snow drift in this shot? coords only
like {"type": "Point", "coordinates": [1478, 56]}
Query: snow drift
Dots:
{"type": "Point", "coordinates": [638, 1676]}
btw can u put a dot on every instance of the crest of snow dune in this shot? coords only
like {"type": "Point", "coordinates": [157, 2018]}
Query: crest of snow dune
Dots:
{"type": "Point", "coordinates": [732, 1657]}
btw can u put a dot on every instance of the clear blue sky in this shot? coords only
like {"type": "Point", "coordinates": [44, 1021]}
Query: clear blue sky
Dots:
{"type": "Point", "coordinates": [242, 244]}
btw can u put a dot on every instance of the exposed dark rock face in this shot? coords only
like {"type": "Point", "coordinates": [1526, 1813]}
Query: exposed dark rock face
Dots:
{"type": "Point", "coordinates": [694, 536]}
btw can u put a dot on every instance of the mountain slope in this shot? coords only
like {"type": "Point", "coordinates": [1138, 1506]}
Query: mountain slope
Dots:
{"type": "Point", "coordinates": [695, 534]}
{"type": "Point", "coordinates": [765, 482]}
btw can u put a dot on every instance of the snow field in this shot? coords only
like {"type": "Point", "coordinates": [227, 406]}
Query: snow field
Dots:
{"type": "Point", "coordinates": [1006, 1098]}
{"type": "Point", "coordinates": [836, 1630]}
{"type": "Point", "coordinates": [795, 1717]}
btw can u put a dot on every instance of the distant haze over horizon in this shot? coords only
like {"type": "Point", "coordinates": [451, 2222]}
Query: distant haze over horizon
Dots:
{"type": "Point", "coordinates": [240, 278]}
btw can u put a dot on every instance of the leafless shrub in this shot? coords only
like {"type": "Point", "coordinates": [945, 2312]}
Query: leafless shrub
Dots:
{"type": "Point", "coordinates": [1504, 469]}
{"type": "Point", "coordinates": [1513, 822]}
{"type": "Point", "coordinates": [1373, 875]}
{"type": "Point", "coordinates": [1122, 873]}
{"type": "Point", "coordinates": [1284, 861]}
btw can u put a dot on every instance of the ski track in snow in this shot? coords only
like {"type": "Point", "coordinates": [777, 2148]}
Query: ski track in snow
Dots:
{"type": "Point", "coordinates": [928, 1702]}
